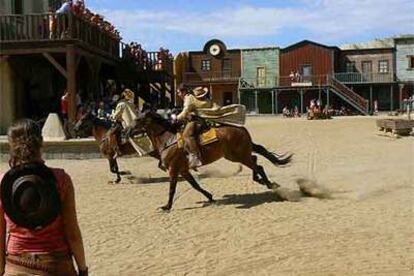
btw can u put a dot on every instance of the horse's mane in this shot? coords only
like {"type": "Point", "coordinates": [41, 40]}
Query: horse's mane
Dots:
{"type": "Point", "coordinates": [105, 123]}
{"type": "Point", "coordinates": [158, 119]}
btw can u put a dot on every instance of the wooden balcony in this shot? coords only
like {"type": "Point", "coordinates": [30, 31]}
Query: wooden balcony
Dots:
{"type": "Point", "coordinates": [38, 30]}
{"type": "Point", "coordinates": [360, 78]}
{"type": "Point", "coordinates": [211, 76]}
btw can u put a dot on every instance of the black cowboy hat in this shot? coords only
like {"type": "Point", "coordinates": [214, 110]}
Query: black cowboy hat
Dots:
{"type": "Point", "coordinates": [29, 195]}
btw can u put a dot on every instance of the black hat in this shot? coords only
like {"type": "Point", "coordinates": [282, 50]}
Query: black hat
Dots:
{"type": "Point", "coordinates": [29, 195]}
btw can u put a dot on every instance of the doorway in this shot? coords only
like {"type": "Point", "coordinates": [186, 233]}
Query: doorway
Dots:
{"type": "Point", "coordinates": [227, 98]}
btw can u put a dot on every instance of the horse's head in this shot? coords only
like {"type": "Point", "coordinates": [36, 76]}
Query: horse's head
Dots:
{"type": "Point", "coordinates": [85, 123]}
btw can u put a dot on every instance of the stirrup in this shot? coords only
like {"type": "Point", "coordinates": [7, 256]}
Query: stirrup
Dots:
{"type": "Point", "coordinates": [194, 161]}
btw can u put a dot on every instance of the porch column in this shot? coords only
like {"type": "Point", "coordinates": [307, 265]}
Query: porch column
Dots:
{"type": "Point", "coordinates": [301, 101]}
{"type": "Point", "coordinates": [256, 108]}
{"type": "Point", "coordinates": [391, 98]}
{"type": "Point", "coordinates": [71, 80]}
{"type": "Point", "coordinates": [276, 102]}
{"type": "Point", "coordinates": [401, 86]}
{"type": "Point", "coordinates": [327, 96]}
{"type": "Point", "coordinates": [370, 99]}
{"type": "Point", "coordinates": [273, 101]}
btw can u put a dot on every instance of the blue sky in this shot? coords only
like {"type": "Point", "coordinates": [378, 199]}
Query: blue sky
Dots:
{"type": "Point", "coordinates": [183, 25]}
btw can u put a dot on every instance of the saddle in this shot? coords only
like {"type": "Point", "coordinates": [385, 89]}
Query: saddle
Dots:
{"type": "Point", "coordinates": [208, 136]}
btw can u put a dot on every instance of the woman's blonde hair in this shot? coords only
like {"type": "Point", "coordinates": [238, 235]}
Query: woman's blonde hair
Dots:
{"type": "Point", "coordinates": [25, 141]}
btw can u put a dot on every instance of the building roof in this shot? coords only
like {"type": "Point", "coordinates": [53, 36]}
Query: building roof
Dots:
{"type": "Point", "coordinates": [260, 48]}
{"type": "Point", "coordinates": [304, 42]}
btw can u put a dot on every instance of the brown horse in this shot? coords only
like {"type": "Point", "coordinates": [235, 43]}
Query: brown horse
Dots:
{"type": "Point", "coordinates": [234, 144]}
{"type": "Point", "coordinates": [101, 130]}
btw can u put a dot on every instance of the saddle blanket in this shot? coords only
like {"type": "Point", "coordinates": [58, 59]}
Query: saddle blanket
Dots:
{"type": "Point", "coordinates": [144, 144]}
{"type": "Point", "coordinates": [205, 138]}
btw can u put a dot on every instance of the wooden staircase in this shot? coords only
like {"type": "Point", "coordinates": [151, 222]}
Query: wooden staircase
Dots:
{"type": "Point", "coordinates": [344, 92]}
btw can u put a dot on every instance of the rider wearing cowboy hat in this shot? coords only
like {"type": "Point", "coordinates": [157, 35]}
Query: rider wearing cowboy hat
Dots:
{"type": "Point", "coordinates": [193, 101]}
{"type": "Point", "coordinates": [125, 111]}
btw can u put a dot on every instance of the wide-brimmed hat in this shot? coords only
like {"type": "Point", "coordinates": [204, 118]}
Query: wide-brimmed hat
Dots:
{"type": "Point", "coordinates": [29, 195]}
{"type": "Point", "coordinates": [128, 94]}
{"type": "Point", "coordinates": [200, 92]}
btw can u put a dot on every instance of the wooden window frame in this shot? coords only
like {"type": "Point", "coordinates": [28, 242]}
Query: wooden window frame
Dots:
{"type": "Point", "coordinates": [410, 62]}
{"type": "Point", "coordinates": [353, 66]}
{"type": "Point", "coordinates": [206, 65]}
{"type": "Point", "coordinates": [262, 82]}
{"type": "Point", "coordinates": [379, 66]}
{"type": "Point", "coordinates": [367, 62]}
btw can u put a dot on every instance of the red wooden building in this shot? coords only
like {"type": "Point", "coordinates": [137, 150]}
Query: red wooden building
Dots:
{"type": "Point", "coordinates": [215, 67]}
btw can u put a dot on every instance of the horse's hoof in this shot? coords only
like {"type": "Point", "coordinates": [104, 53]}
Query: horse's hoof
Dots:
{"type": "Point", "coordinates": [165, 208]}
{"type": "Point", "coordinates": [273, 185]}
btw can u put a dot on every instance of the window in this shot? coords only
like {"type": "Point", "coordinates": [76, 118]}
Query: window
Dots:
{"type": "Point", "coordinates": [261, 76]}
{"type": "Point", "coordinates": [226, 64]}
{"type": "Point", "coordinates": [205, 65]}
{"type": "Point", "coordinates": [350, 67]}
{"type": "Point", "coordinates": [383, 66]}
{"type": "Point", "coordinates": [410, 62]}
{"type": "Point", "coordinates": [366, 67]}
{"type": "Point", "coordinates": [18, 7]}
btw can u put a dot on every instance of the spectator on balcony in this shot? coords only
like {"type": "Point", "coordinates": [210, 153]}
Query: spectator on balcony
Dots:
{"type": "Point", "coordinates": [65, 8]}
{"type": "Point", "coordinates": [292, 75]}
{"type": "Point", "coordinates": [77, 7]}
{"type": "Point", "coordinates": [298, 77]}
{"type": "Point", "coordinates": [52, 23]}
{"type": "Point", "coordinates": [62, 13]}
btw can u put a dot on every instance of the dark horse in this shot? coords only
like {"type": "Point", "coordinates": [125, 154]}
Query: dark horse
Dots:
{"type": "Point", "coordinates": [234, 144]}
{"type": "Point", "coordinates": [101, 130]}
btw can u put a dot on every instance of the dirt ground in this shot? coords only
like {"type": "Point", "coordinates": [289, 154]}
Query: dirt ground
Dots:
{"type": "Point", "coordinates": [366, 227]}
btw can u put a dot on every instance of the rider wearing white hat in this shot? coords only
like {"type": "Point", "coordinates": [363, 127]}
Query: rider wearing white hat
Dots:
{"type": "Point", "coordinates": [192, 102]}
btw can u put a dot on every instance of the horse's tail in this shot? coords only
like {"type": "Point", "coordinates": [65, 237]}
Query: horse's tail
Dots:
{"type": "Point", "coordinates": [275, 158]}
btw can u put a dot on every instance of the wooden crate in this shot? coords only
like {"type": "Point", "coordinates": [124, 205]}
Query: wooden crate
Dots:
{"type": "Point", "coordinates": [396, 126]}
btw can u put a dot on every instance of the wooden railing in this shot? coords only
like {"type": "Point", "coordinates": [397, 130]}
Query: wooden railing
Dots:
{"type": "Point", "coordinates": [351, 96]}
{"type": "Point", "coordinates": [357, 77]}
{"type": "Point", "coordinates": [211, 76]}
{"type": "Point", "coordinates": [51, 27]}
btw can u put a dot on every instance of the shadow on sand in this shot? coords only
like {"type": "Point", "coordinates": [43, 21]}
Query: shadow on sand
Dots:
{"type": "Point", "coordinates": [247, 201]}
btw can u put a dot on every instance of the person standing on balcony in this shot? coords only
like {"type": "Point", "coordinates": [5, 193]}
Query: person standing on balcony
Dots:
{"type": "Point", "coordinates": [62, 13]}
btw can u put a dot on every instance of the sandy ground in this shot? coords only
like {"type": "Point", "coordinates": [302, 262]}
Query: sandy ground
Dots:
{"type": "Point", "coordinates": [367, 227]}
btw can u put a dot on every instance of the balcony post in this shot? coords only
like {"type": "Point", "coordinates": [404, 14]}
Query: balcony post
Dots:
{"type": "Point", "coordinates": [391, 97]}
{"type": "Point", "coordinates": [401, 86]}
{"type": "Point", "coordinates": [273, 101]}
{"type": "Point", "coordinates": [370, 99]}
{"type": "Point", "coordinates": [301, 101]}
{"type": "Point", "coordinates": [71, 80]}
{"type": "Point", "coordinates": [256, 108]}
{"type": "Point", "coordinates": [327, 96]}
{"type": "Point", "coordinates": [276, 102]}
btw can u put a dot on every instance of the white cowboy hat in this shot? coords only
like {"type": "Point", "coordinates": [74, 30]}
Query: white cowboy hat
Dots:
{"type": "Point", "coordinates": [128, 94]}
{"type": "Point", "coordinates": [200, 92]}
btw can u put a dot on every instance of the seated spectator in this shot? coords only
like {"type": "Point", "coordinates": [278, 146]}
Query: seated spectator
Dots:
{"type": "Point", "coordinates": [286, 112]}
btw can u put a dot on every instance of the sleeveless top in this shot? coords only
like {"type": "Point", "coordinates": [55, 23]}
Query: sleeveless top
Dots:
{"type": "Point", "coordinates": [49, 239]}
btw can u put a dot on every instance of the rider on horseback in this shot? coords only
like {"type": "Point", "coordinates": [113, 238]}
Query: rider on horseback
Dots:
{"type": "Point", "coordinates": [124, 114]}
{"type": "Point", "coordinates": [193, 100]}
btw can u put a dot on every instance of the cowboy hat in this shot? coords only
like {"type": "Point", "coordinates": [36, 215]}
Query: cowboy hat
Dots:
{"type": "Point", "coordinates": [128, 94]}
{"type": "Point", "coordinates": [200, 92]}
{"type": "Point", "coordinates": [29, 195]}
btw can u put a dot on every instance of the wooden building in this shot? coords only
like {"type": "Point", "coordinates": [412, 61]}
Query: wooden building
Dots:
{"type": "Point", "coordinates": [215, 67]}
{"type": "Point", "coordinates": [37, 64]}
{"type": "Point", "coordinates": [370, 73]}
{"type": "Point", "coordinates": [260, 74]}
{"type": "Point", "coordinates": [404, 56]}
{"type": "Point", "coordinates": [307, 72]}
